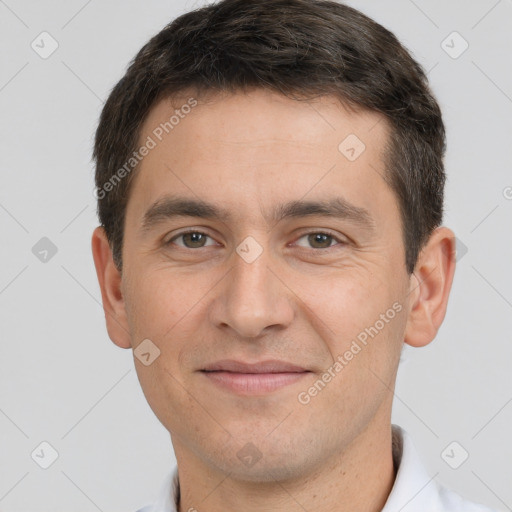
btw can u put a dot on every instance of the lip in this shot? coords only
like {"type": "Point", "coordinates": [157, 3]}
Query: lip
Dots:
{"type": "Point", "coordinates": [268, 366]}
{"type": "Point", "coordinates": [253, 378]}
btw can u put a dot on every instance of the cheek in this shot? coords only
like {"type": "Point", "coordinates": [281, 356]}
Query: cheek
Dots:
{"type": "Point", "coordinates": [162, 302]}
{"type": "Point", "coordinates": [164, 310]}
{"type": "Point", "coordinates": [359, 319]}
{"type": "Point", "coordinates": [361, 325]}
{"type": "Point", "coordinates": [345, 302]}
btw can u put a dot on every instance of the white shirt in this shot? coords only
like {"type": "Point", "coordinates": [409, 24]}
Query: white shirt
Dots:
{"type": "Point", "coordinates": [413, 491]}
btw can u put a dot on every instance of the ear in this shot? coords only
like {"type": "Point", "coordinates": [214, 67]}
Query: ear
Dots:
{"type": "Point", "coordinates": [109, 279]}
{"type": "Point", "coordinates": [430, 286]}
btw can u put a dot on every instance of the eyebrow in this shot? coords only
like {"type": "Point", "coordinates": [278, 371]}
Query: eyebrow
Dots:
{"type": "Point", "coordinates": [170, 207]}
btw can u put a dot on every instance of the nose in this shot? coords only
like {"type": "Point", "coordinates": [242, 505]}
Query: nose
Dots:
{"type": "Point", "coordinates": [252, 300]}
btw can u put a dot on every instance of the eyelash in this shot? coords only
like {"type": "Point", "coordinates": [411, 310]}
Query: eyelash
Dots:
{"type": "Point", "coordinates": [324, 232]}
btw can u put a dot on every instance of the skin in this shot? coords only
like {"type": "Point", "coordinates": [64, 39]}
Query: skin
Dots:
{"type": "Point", "coordinates": [299, 301]}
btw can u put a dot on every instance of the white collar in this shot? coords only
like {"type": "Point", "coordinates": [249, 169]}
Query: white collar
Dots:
{"type": "Point", "coordinates": [413, 491]}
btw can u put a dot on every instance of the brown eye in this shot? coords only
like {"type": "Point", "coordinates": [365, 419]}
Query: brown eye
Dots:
{"type": "Point", "coordinates": [194, 239]}
{"type": "Point", "coordinates": [191, 240]}
{"type": "Point", "coordinates": [318, 240]}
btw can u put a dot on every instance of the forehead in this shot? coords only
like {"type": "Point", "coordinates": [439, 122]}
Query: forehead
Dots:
{"type": "Point", "coordinates": [262, 116]}
{"type": "Point", "coordinates": [261, 147]}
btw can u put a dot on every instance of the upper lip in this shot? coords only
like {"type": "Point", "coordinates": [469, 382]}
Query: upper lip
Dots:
{"type": "Point", "coordinates": [269, 366]}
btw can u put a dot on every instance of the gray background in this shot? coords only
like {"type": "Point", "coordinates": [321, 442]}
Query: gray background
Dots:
{"type": "Point", "coordinates": [64, 382]}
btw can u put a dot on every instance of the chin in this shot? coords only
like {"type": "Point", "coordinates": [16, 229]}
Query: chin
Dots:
{"type": "Point", "coordinates": [253, 463]}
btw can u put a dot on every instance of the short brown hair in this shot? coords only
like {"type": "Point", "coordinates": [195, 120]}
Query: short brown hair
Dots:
{"type": "Point", "coordinates": [299, 48]}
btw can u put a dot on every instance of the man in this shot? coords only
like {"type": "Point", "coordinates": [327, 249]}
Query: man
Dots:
{"type": "Point", "coordinates": [270, 190]}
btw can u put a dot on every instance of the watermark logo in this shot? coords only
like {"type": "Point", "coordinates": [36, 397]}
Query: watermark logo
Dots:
{"type": "Point", "coordinates": [249, 455]}
{"type": "Point", "coordinates": [44, 250]}
{"type": "Point", "coordinates": [44, 45]}
{"type": "Point", "coordinates": [352, 147]}
{"type": "Point", "coordinates": [146, 352]}
{"type": "Point", "coordinates": [44, 455]}
{"type": "Point", "coordinates": [460, 249]}
{"type": "Point", "coordinates": [455, 455]}
{"type": "Point", "coordinates": [249, 249]}
{"type": "Point", "coordinates": [454, 45]}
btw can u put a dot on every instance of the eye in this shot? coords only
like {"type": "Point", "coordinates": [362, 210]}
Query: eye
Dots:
{"type": "Point", "coordinates": [191, 240]}
{"type": "Point", "coordinates": [319, 240]}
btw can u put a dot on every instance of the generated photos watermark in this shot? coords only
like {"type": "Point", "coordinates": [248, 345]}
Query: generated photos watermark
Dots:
{"type": "Point", "coordinates": [304, 397]}
{"type": "Point", "coordinates": [151, 142]}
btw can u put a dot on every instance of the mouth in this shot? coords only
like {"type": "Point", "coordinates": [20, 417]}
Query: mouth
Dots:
{"type": "Point", "coordinates": [253, 378]}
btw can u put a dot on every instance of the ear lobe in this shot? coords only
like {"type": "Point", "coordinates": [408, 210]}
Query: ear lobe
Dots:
{"type": "Point", "coordinates": [430, 288]}
{"type": "Point", "coordinates": [109, 279]}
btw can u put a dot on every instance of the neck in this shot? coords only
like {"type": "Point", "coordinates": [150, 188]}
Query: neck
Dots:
{"type": "Point", "coordinates": [359, 479]}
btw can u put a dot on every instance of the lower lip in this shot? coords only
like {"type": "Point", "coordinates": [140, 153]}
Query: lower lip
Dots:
{"type": "Point", "coordinates": [253, 383]}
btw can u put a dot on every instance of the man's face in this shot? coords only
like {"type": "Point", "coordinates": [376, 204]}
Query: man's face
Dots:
{"type": "Point", "coordinates": [301, 289]}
